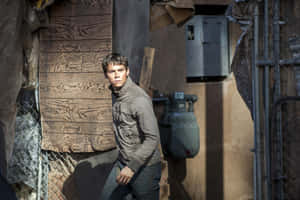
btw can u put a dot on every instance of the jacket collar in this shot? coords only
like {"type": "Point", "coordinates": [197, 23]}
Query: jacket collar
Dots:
{"type": "Point", "coordinates": [122, 92]}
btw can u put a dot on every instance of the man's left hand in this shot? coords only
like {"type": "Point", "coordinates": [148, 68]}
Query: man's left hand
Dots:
{"type": "Point", "coordinates": [125, 176]}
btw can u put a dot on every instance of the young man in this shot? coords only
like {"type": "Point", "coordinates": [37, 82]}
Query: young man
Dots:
{"type": "Point", "coordinates": [138, 168]}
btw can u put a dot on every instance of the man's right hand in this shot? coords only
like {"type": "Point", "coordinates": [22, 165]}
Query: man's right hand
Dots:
{"type": "Point", "coordinates": [125, 176]}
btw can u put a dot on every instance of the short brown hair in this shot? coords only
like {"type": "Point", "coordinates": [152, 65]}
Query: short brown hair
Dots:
{"type": "Point", "coordinates": [114, 58]}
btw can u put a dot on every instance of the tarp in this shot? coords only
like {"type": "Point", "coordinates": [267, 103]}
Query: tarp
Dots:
{"type": "Point", "coordinates": [23, 166]}
{"type": "Point", "coordinates": [241, 13]}
{"type": "Point", "coordinates": [11, 64]}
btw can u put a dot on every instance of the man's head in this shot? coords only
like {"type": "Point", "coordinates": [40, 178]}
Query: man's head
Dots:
{"type": "Point", "coordinates": [115, 68]}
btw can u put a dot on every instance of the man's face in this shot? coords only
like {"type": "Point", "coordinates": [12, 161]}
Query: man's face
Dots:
{"type": "Point", "coordinates": [117, 75]}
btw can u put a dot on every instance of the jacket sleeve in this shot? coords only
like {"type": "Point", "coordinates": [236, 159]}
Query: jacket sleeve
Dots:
{"type": "Point", "coordinates": [143, 111]}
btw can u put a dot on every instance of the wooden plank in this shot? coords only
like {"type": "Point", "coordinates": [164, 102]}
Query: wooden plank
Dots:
{"type": "Point", "coordinates": [74, 85]}
{"type": "Point", "coordinates": [33, 63]}
{"type": "Point", "coordinates": [78, 128]}
{"type": "Point", "coordinates": [72, 62]}
{"type": "Point", "coordinates": [76, 46]}
{"type": "Point", "coordinates": [77, 143]}
{"type": "Point", "coordinates": [146, 71]}
{"type": "Point", "coordinates": [75, 101]}
{"type": "Point", "coordinates": [179, 15]}
{"type": "Point", "coordinates": [78, 28]}
{"type": "Point", "coordinates": [76, 110]}
{"type": "Point", "coordinates": [81, 7]}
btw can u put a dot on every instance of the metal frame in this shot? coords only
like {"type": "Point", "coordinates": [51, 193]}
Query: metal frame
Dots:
{"type": "Point", "coordinates": [267, 63]}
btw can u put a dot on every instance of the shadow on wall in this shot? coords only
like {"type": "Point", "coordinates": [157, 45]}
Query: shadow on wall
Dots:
{"type": "Point", "coordinates": [86, 182]}
{"type": "Point", "coordinates": [185, 175]}
{"type": "Point", "coordinates": [177, 174]}
{"type": "Point", "coordinates": [214, 142]}
{"type": "Point", "coordinates": [89, 177]}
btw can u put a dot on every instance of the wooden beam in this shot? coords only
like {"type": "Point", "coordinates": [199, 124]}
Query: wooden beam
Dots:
{"type": "Point", "coordinates": [74, 85]}
{"type": "Point", "coordinates": [102, 45]}
{"type": "Point", "coordinates": [72, 62]}
{"type": "Point", "coordinates": [77, 143]}
{"type": "Point", "coordinates": [78, 28]}
{"type": "Point", "coordinates": [146, 71]}
{"type": "Point", "coordinates": [76, 110]}
{"type": "Point", "coordinates": [81, 7]}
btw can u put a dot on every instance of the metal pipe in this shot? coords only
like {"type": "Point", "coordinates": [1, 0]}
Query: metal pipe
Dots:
{"type": "Point", "coordinates": [256, 113]}
{"type": "Point", "coordinates": [295, 47]}
{"type": "Point", "coordinates": [258, 145]}
{"type": "Point", "coordinates": [266, 103]}
{"type": "Point", "coordinates": [281, 62]}
{"type": "Point", "coordinates": [277, 104]}
{"type": "Point", "coordinates": [254, 119]}
{"type": "Point", "coordinates": [276, 56]}
{"type": "Point", "coordinates": [283, 100]}
{"type": "Point", "coordinates": [254, 148]}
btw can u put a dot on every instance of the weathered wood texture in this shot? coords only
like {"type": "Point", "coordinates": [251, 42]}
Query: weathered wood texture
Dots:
{"type": "Point", "coordinates": [73, 85]}
{"type": "Point", "coordinates": [78, 28]}
{"type": "Point", "coordinates": [82, 7]}
{"type": "Point", "coordinates": [146, 71]}
{"type": "Point", "coordinates": [71, 62]}
{"type": "Point", "coordinates": [75, 101]}
{"type": "Point", "coordinates": [76, 110]}
{"type": "Point", "coordinates": [75, 46]}
{"type": "Point", "coordinates": [78, 143]}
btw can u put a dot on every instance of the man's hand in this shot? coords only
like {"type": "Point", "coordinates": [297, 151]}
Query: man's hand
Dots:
{"type": "Point", "coordinates": [125, 176]}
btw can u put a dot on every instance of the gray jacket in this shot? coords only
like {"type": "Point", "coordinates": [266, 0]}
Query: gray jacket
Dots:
{"type": "Point", "coordinates": [135, 126]}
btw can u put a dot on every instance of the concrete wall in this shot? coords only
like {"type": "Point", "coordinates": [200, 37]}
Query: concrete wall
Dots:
{"type": "Point", "coordinates": [223, 168]}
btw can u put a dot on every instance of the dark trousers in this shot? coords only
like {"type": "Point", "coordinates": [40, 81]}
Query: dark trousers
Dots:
{"type": "Point", "coordinates": [144, 185]}
{"type": "Point", "coordinates": [6, 191]}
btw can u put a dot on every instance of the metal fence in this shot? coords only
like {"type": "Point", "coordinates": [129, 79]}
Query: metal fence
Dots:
{"type": "Point", "coordinates": [291, 158]}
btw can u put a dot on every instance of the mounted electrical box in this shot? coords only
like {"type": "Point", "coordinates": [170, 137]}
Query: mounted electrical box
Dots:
{"type": "Point", "coordinates": [207, 51]}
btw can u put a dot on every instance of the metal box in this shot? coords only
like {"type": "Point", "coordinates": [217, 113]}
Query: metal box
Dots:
{"type": "Point", "coordinates": [207, 46]}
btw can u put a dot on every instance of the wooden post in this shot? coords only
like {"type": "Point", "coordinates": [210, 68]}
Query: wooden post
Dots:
{"type": "Point", "coordinates": [146, 71]}
{"type": "Point", "coordinates": [145, 83]}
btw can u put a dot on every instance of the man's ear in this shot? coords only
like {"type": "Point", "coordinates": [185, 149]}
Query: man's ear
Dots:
{"type": "Point", "coordinates": [127, 72]}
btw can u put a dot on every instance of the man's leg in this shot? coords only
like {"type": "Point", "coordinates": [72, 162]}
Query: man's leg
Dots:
{"type": "Point", "coordinates": [111, 189]}
{"type": "Point", "coordinates": [6, 191]}
{"type": "Point", "coordinates": [145, 185]}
